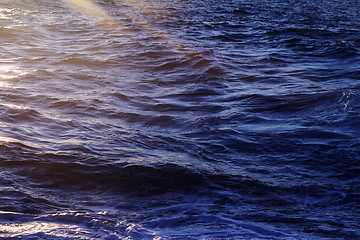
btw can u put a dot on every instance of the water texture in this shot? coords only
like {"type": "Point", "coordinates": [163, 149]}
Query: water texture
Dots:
{"type": "Point", "coordinates": [202, 119]}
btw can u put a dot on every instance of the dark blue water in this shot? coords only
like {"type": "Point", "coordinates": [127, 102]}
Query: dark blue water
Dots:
{"type": "Point", "coordinates": [202, 119]}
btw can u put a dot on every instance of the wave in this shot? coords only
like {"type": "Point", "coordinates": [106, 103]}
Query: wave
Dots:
{"type": "Point", "coordinates": [65, 173]}
{"type": "Point", "coordinates": [71, 225]}
{"type": "Point", "coordinates": [166, 195]}
{"type": "Point", "coordinates": [179, 119]}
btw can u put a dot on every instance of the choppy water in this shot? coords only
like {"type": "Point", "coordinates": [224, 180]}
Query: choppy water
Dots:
{"type": "Point", "coordinates": [202, 119]}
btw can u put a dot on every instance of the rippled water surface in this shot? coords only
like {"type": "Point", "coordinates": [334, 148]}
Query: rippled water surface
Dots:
{"type": "Point", "coordinates": [202, 119]}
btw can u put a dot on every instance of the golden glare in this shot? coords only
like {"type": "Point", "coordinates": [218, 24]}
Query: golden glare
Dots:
{"type": "Point", "coordinates": [51, 230]}
{"type": "Point", "coordinates": [5, 140]}
{"type": "Point", "coordinates": [91, 8]}
{"type": "Point", "coordinates": [9, 72]}
{"type": "Point", "coordinates": [3, 14]}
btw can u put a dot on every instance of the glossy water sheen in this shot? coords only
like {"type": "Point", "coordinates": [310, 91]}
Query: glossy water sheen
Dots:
{"type": "Point", "coordinates": [179, 119]}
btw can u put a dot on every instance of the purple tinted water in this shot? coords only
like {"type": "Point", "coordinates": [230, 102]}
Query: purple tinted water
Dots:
{"type": "Point", "coordinates": [179, 119]}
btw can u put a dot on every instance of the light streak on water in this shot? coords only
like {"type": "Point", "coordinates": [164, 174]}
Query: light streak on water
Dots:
{"type": "Point", "coordinates": [9, 72]}
{"type": "Point", "coordinates": [91, 9]}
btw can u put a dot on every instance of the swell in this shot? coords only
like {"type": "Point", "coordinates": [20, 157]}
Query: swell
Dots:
{"type": "Point", "coordinates": [220, 118]}
{"type": "Point", "coordinates": [223, 198]}
{"type": "Point", "coordinates": [210, 135]}
{"type": "Point", "coordinates": [65, 173]}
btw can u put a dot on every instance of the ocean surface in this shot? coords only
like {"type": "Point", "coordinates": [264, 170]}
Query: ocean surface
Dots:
{"type": "Point", "coordinates": [179, 119]}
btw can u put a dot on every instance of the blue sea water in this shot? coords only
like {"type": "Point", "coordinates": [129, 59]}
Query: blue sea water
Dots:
{"type": "Point", "coordinates": [202, 119]}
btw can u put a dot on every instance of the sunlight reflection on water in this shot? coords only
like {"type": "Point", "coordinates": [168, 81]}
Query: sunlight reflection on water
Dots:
{"type": "Point", "coordinates": [9, 72]}
{"type": "Point", "coordinates": [49, 229]}
{"type": "Point", "coordinates": [4, 13]}
{"type": "Point", "coordinates": [90, 8]}
{"type": "Point", "coordinates": [192, 119]}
